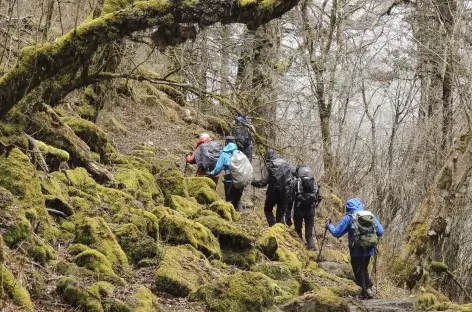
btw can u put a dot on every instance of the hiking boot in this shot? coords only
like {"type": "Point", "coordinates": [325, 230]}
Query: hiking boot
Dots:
{"type": "Point", "coordinates": [310, 243]}
{"type": "Point", "coordinates": [369, 293]}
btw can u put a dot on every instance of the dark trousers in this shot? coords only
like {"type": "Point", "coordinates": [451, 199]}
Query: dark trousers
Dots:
{"type": "Point", "coordinates": [309, 224]}
{"type": "Point", "coordinates": [360, 266]}
{"type": "Point", "coordinates": [233, 195]}
{"type": "Point", "coordinates": [246, 151]}
{"type": "Point", "coordinates": [275, 198]}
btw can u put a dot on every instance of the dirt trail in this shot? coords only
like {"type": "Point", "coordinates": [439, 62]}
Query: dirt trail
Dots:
{"type": "Point", "coordinates": [389, 305]}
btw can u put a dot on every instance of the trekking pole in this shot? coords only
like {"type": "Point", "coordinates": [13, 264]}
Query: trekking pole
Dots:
{"type": "Point", "coordinates": [375, 272]}
{"type": "Point", "coordinates": [321, 247]}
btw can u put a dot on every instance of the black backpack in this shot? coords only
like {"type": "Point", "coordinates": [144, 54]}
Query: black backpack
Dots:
{"type": "Point", "coordinates": [207, 155]}
{"type": "Point", "coordinates": [307, 191]}
{"type": "Point", "coordinates": [279, 173]}
{"type": "Point", "coordinates": [241, 131]}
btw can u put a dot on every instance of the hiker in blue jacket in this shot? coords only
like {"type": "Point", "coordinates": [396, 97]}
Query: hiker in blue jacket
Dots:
{"type": "Point", "coordinates": [360, 257]}
{"type": "Point", "coordinates": [232, 194]}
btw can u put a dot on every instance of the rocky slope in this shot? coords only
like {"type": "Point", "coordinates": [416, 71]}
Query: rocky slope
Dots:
{"type": "Point", "coordinates": [153, 239]}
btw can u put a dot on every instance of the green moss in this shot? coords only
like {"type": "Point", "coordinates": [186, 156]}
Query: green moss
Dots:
{"type": "Point", "coordinates": [187, 207]}
{"type": "Point", "coordinates": [241, 258]}
{"type": "Point", "coordinates": [96, 138]}
{"type": "Point", "coordinates": [72, 269]}
{"type": "Point", "coordinates": [282, 245]}
{"type": "Point", "coordinates": [115, 305]}
{"type": "Point", "coordinates": [182, 270]}
{"type": "Point", "coordinates": [79, 204]}
{"type": "Point", "coordinates": [225, 210]}
{"type": "Point", "coordinates": [313, 276]}
{"type": "Point", "coordinates": [146, 263]}
{"type": "Point", "coordinates": [172, 182]}
{"type": "Point", "coordinates": [13, 291]}
{"type": "Point", "coordinates": [426, 300]}
{"type": "Point", "coordinates": [80, 179]}
{"type": "Point", "coordinates": [101, 289]}
{"type": "Point", "coordinates": [145, 221]}
{"type": "Point", "coordinates": [17, 232]}
{"type": "Point", "coordinates": [76, 249]}
{"type": "Point", "coordinates": [94, 261]}
{"type": "Point", "coordinates": [136, 244]}
{"type": "Point", "coordinates": [138, 182]}
{"type": "Point", "coordinates": [438, 267]}
{"type": "Point", "coordinates": [228, 235]}
{"type": "Point", "coordinates": [146, 301]}
{"type": "Point", "coordinates": [243, 291]}
{"type": "Point", "coordinates": [179, 230]}
{"type": "Point", "coordinates": [16, 177]}
{"type": "Point", "coordinates": [51, 151]}
{"type": "Point", "coordinates": [41, 252]}
{"type": "Point", "coordinates": [161, 211]}
{"type": "Point", "coordinates": [95, 233]}
{"type": "Point", "coordinates": [274, 270]}
{"type": "Point", "coordinates": [78, 297]}
{"type": "Point", "coordinates": [203, 189]}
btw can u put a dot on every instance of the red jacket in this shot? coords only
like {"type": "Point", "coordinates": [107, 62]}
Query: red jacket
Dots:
{"type": "Point", "coordinates": [191, 158]}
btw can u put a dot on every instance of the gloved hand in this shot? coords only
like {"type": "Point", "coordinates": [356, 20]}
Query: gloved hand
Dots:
{"type": "Point", "coordinates": [327, 222]}
{"type": "Point", "coordinates": [208, 173]}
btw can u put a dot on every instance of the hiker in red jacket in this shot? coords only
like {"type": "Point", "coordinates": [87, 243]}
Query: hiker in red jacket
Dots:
{"type": "Point", "coordinates": [196, 156]}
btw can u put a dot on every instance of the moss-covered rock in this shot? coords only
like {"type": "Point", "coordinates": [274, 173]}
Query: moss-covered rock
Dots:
{"type": "Point", "coordinates": [243, 259]}
{"type": "Point", "coordinates": [287, 286]}
{"type": "Point", "coordinates": [425, 300]}
{"type": "Point", "coordinates": [136, 244]}
{"type": "Point", "coordinates": [182, 270]}
{"type": "Point", "coordinates": [187, 207]}
{"type": "Point", "coordinates": [241, 292]}
{"type": "Point", "coordinates": [203, 189]}
{"type": "Point", "coordinates": [228, 235]}
{"type": "Point", "coordinates": [40, 251]}
{"type": "Point", "coordinates": [279, 243]}
{"type": "Point", "coordinates": [225, 210]}
{"type": "Point", "coordinates": [11, 289]}
{"type": "Point", "coordinates": [96, 138]}
{"type": "Point", "coordinates": [101, 289]}
{"type": "Point", "coordinates": [76, 249]}
{"type": "Point", "coordinates": [179, 230]}
{"type": "Point", "coordinates": [140, 183]}
{"type": "Point", "coordinates": [172, 182]}
{"type": "Point", "coordinates": [77, 296]}
{"type": "Point", "coordinates": [71, 269]}
{"type": "Point", "coordinates": [146, 301]}
{"type": "Point", "coordinates": [16, 176]}
{"type": "Point", "coordinates": [321, 300]}
{"type": "Point", "coordinates": [145, 221]}
{"type": "Point", "coordinates": [115, 305]}
{"type": "Point", "coordinates": [94, 261]}
{"type": "Point", "coordinates": [52, 152]}
{"type": "Point", "coordinates": [95, 233]}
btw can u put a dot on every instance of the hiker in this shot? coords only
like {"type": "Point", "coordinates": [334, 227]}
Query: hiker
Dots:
{"type": "Point", "coordinates": [306, 199]}
{"type": "Point", "coordinates": [277, 172]}
{"type": "Point", "coordinates": [291, 184]}
{"type": "Point", "coordinates": [242, 132]}
{"type": "Point", "coordinates": [364, 229]}
{"type": "Point", "coordinates": [205, 155]}
{"type": "Point", "coordinates": [238, 172]}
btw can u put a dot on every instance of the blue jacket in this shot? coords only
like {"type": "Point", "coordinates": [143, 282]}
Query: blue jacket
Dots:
{"type": "Point", "coordinates": [352, 206]}
{"type": "Point", "coordinates": [224, 161]}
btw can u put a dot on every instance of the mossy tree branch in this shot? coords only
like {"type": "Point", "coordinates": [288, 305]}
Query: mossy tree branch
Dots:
{"type": "Point", "coordinates": [39, 63]}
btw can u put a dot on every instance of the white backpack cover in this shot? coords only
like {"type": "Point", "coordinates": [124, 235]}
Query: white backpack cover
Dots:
{"type": "Point", "coordinates": [241, 170]}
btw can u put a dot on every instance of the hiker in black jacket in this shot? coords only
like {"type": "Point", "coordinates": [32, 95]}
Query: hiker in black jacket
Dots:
{"type": "Point", "coordinates": [276, 175]}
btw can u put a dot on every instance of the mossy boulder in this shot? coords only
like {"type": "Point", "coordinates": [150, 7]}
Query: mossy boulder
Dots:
{"type": "Point", "coordinates": [16, 176]}
{"type": "Point", "coordinates": [145, 301]}
{"type": "Point", "coordinates": [101, 289]}
{"type": "Point", "coordinates": [287, 286]}
{"type": "Point", "coordinates": [321, 300]}
{"type": "Point", "coordinates": [95, 261]}
{"type": "Point", "coordinates": [203, 189]}
{"type": "Point", "coordinates": [281, 244]}
{"type": "Point", "coordinates": [95, 233]}
{"type": "Point", "coordinates": [17, 226]}
{"type": "Point", "coordinates": [182, 270]}
{"type": "Point", "coordinates": [140, 183]}
{"type": "Point", "coordinates": [425, 300]}
{"type": "Point", "coordinates": [136, 244]}
{"type": "Point", "coordinates": [40, 251]}
{"type": "Point", "coordinates": [179, 230]}
{"type": "Point", "coordinates": [76, 249]}
{"type": "Point", "coordinates": [243, 259]}
{"type": "Point", "coordinates": [313, 276]}
{"type": "Point", "coordinates": [187, 207]}
{"type": "Point", "coordinates": [229, 236]}
{"type": "Point", "coordinates": [145, 221]}
{"type": "Point", "coordinates": [91, 134]}
{"type": "Point", "coordinates": [53, 156]}
{"type": "Point", "coordinates": [11, 290]}
{"type": "Point", "coordinates": [172, 182]}
{"type": "Point", "coordinates": [77, 296]}
{"type": "Point", "coordinates": [225, 210]}
{"type": "Point", "coordinates": [240, 292]}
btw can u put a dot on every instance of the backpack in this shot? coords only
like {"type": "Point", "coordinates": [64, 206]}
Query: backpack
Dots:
{"type": "Point", "coordinates": [280, 173]}
{"type": "Point", "coordinates": [241, 131]}
{"type": "Point", "coordinates": [207, 155]}
{"type": "Point", "coordinates": [241, 170]}
{"type": "Point", "coordinates": [365, 230]}
{"type": "Point", "coordinates": [307, 191]}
